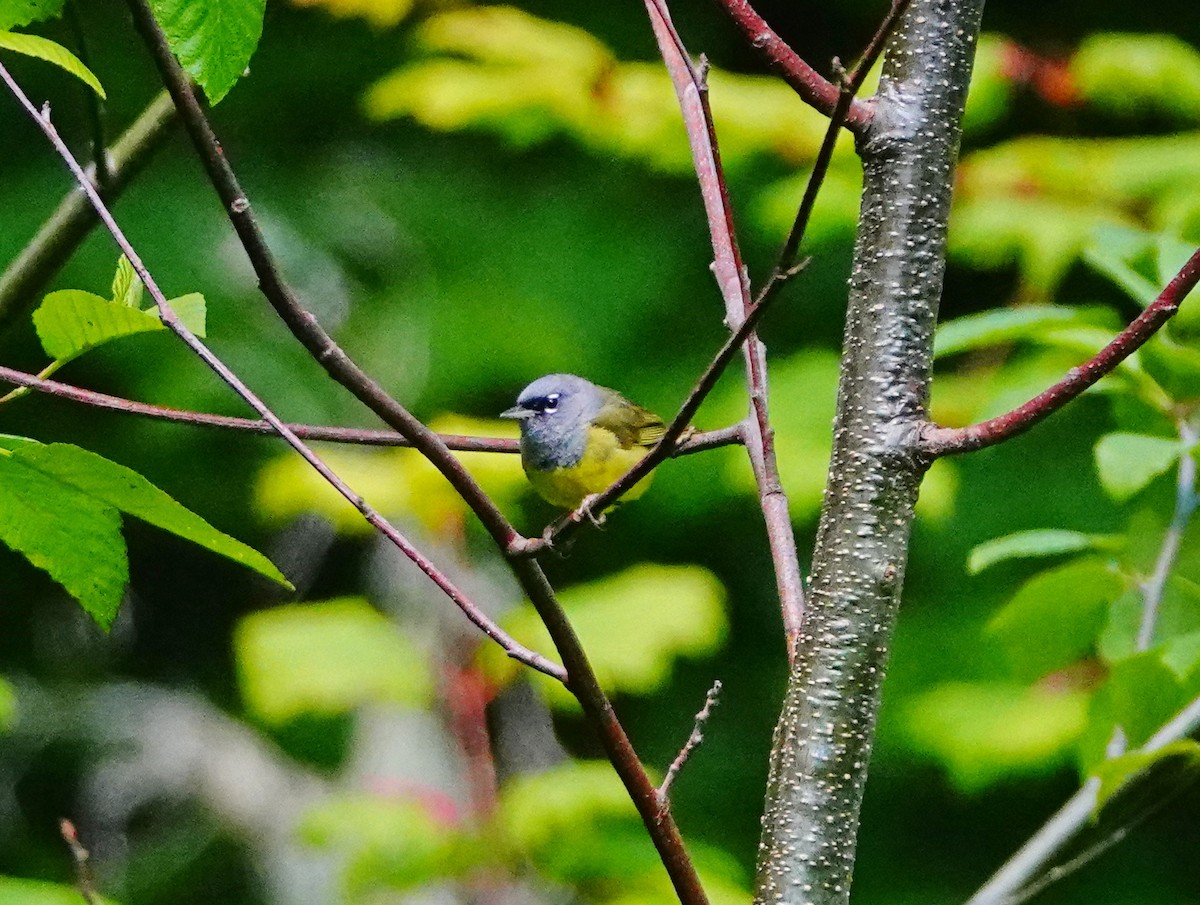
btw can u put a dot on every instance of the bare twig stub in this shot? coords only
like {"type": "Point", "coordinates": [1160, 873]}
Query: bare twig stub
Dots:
{"type": "Point", "coordinates": [689, 747]}
{"type": "Point", "coordinates": [81, 857]}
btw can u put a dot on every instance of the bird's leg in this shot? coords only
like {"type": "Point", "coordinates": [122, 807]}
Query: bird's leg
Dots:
{"type": "Point", "coordinates": [585, 508]}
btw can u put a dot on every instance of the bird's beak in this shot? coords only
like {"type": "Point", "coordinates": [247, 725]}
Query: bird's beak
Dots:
{"type": "Point", "coordinates": [516, 412]}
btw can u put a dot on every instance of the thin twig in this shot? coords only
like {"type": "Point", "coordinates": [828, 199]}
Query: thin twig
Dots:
{"type": "Point", "coordinates": [80, 856]}
{"type": "Point", "coordinates": [1186, 500]}
{"type": "Point", "coordinates": [1071, 820]}
{"type": "Point", "coordinates": [698, 442]}
{"type": "Point", "coordinates": [171, 320]}
{"type": "Point", "coordinates": [849, 85]}
{"type": "Point", "coordinates": [689, 747]}
{"type": "Point", "coordinates": [692, 92]}
{"type": "Point", "coordinates": [813, 88]}
{"type": "Point", "coordinates": [74, 218]}
{"type": "Point", "coordinates": [948, 441]}
{"type": "Point", "coordinates": [582, 681]}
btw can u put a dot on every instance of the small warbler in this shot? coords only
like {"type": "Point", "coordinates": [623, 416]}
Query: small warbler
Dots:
{"type": "Point", "coordinates": [577, 438]}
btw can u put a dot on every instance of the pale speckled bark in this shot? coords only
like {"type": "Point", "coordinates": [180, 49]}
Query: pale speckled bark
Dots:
{"type": "Point", "coordinates": [823, 739]}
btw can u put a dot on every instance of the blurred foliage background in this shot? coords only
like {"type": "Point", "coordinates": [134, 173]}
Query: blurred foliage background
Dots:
{"type": "Point", "coordinates": [469, 197]}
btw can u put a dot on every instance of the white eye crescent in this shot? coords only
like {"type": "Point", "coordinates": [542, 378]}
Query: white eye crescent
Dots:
{"type": "Point", "coordinates": [551, 404]}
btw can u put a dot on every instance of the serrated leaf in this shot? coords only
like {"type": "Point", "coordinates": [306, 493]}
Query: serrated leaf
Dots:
{"type": "Point", "coordinates": [213, 39]}
{"type": "Point", "coordinates": [1128, 462]}
{"type": "Point", "coordinates": [1181, 760]}
{"type": "Point", "coordinates": [1029, 322]}
{"type": "Point", "coordinates": [50, 52]}
{"type": "Point", "coordinates": [19, 891]}
{"type": "Point", "coordinates": [116, 486]}
{"type": "Point", "coordinates": [69, 322]}
{"type": "Point", "coordinates": [72, 536]}
{"type": "Point", "coordinates": [1030, 544]}
{"type": "Point", "coordinates": [327, 658]}
{"type": "Point", "coordinates": [126, 285]}
{"type": "Point", "coordinates": [16, 13]}
{"type": "Point", "coordinates": [634, 626]}
{"type": "Point", "coordinates": [1056, 616]}
{"type": "Point", "coordinates": [984, 732]}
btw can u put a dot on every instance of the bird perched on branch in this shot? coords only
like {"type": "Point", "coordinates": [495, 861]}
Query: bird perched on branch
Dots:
{"type": "Point", "coordinates": [577, 438]}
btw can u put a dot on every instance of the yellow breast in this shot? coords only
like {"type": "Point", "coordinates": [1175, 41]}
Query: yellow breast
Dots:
{"type": "Point", "coordinates": [604, 460]}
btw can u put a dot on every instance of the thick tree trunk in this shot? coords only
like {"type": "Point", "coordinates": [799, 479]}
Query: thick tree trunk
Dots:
{"type": "Point", "coordinates": [824, 736]}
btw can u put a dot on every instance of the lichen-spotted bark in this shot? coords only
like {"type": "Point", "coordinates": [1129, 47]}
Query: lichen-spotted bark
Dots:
{"type": "Point", "coordinates": [824, 735]}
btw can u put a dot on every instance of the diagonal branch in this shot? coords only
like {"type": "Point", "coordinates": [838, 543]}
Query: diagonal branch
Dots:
{"type": "Point", "coordinates": [731, 278]}
{"type": "Point", "coordinates": [1071, 821]}
{"type": "Point", "coordinates": [172, 322]}
{"type": "Point", "coordinates": [74, 218]}
{"type": "Point", "coordinates": [582, 681]}
{"type": "Point", "coordinates": [814, 89]}
{"type": "Point", "coordinates": [948, 441]}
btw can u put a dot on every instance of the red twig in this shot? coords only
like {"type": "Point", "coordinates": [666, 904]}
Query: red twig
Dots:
{"type": "Point", "coordinates": [171, 320]}
{"type": "Point", "coordinates": [814, 89]}
{"type": "Point", "coordinates": [731, 278]}
{"type": "Point", "coordinates": [948, 441]}
{"type": "Point", "coordinates": [354, 435]}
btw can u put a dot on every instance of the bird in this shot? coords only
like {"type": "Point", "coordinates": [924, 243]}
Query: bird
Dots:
{"type": "Point", "coordinates": [577, 438]}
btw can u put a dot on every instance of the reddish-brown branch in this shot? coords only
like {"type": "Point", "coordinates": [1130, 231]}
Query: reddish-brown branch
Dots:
{"type": "Point", "coordinates": [304, 326]}
{"type": "Point", "coordinates": [359, 436]}
{"type": "Point", "coordinates": [814, 89]}
{"type": "Point", "coordinates": [689, 747]}
{"type": "Point", "coordinates": [947, 441]}
{"type": "Point", "coordinates": [734, 286]}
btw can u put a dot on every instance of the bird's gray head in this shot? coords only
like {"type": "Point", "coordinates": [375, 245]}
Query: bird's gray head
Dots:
{"type": "Point", "coordinates": [555, 412]}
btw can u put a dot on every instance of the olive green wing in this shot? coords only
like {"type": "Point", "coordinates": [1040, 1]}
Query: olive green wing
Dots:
{"type": "Point", "coordinates": [633, 425]}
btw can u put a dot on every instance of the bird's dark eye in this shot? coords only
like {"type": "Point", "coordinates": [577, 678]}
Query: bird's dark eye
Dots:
{"type": "Point", "coordinates": [549, 404]}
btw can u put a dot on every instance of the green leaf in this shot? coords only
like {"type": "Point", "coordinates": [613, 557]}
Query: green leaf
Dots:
{"type": "Point", "coordinates": [985, 732]}
{"type": "Point", "coordinates": [213, 39]}
{"type": "Point", "coordinates": [1178, 617]}
{"type": "Point", "coordinates": [105, 486]}
{"type": "Point", "coordinates": [1056, 616]}
{"type": "Point", "coordinates": [50, 52]}
{"type": "Point", "coordinates": [1125, 256]}
{"type": "Point", "coordinates": [634, 626]}
{"type": "Point", "coordinates": [1173, 253]}
{"type": "Point", "coordinates": [327, 658]}
{"type": "Point", "coordinates": [1181, 655]}
{"type": "Point", "coordinates": [1178, 764]}
{"type": "Point", "coordinates": [1124, 74]}
{"type": "Point", "coordinates": [19, 891]}
{"type": "Point", "coordinates": [1175, 366]}
{"type": "Point", "coordinates": [126, 285]}
{"type": "Point", "coordinates": [395, 843]}
{"type": "Point", "coordinates": [1038, 323]}
{"type": "Point", "coordinates": [192, 311]}
{"type": "Point", "coordinates": [69, 322]}
{"type": "Point", "coordinates": [1143, 694]}
{"type": "Point", "coordinates": [1128, 462]}
{"type": "Point", "coordinates": [1029, 544]}
{"type": "Point", "coordinates": [16, 13]}
{"type": "Point", "coordinates": [66, 532]}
